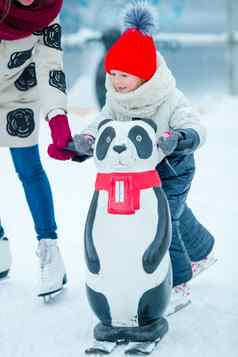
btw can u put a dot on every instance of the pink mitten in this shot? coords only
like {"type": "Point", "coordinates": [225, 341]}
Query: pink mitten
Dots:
{"type": "Point", "coordinates": [60, 131]}
{"type": "Point", "coordinates": [59, 154]}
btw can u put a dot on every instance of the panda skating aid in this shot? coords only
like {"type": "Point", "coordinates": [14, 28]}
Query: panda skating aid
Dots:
{"type": "Point", "coordinates": [127, 236]}
{"type": "Point", "coordinates": [129, 348]}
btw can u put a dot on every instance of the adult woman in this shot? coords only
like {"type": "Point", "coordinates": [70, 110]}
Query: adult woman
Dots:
{"type": "Point", "coordinates": [32, 78]}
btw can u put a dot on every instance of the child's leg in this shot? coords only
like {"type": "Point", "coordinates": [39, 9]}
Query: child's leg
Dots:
{"type": "Point", "coordinates": [181, 264]}
{"type": "Point", "coordinates": [176, 187]}
{"type": "Point", "coordinates": [37, 190]}
{"type": "Point", "coordinates": [197, 240]}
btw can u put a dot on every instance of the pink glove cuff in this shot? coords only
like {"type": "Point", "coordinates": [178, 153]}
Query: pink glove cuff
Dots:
{"type": "Point", "coordinates": [60, 131]}
{"type": "Point", "coordinates": [59, 154]}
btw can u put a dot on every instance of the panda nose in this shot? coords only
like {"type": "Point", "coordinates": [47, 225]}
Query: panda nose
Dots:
{"type": "Point", "coordinates": [119, 148]}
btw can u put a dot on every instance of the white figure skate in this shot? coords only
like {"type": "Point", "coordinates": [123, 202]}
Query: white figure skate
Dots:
{"type": "Point", "coordinates": [5, 258]}
{"type": "Point", "coordinates": [53, 275]}
{"type": "Point", "coordinates": [203, 264]}
{"type": "Point", "coordinates": [180, 298]}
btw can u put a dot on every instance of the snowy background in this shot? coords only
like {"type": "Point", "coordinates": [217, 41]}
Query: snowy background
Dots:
{"type": "Point", "coordinates": [208, 327]}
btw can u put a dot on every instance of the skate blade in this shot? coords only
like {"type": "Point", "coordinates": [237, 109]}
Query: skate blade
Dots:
{"type": "Point", "coordinates": [4, 275]}
{"type": "Point", "coordinates": [51, 295]}
{"type": "Point", "coordinates": [4, 278]}
{"type": "Point", "coordinates": [49, 298]}
{"type": "Point", "coordinates": [178, 308]}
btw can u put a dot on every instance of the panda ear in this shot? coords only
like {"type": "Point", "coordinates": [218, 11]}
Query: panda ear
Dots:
{"type": "Point", "coordinates": [148, 121]}
{"type": "Point", "coordinates": [103, 122]}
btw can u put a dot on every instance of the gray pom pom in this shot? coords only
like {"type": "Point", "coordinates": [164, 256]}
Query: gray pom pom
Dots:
{"type": "Point", "coordinates": [140, 15]}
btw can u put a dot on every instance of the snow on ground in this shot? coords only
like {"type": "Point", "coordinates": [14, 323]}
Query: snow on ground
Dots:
{"type": "Point", "coordinates": [28, 328]}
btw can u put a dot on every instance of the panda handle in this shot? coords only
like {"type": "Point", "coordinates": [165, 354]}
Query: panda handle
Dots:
{"type": "Point", "coordinates": [71, 147]}
{"type": "Point", "coordinates": [79, 157]}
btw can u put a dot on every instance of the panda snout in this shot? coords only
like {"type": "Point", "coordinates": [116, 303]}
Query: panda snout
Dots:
{"type": "Point", "coordinates": [119, 148]}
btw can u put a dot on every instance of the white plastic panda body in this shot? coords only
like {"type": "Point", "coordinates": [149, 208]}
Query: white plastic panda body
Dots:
{"type": "Point", "coordinates": [127, 238]}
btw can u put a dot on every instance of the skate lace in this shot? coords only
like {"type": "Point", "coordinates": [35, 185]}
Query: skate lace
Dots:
{"type": "Point", "coordinates": [195, 266]}
{"type": "Point", "coordinates": [45, 253]}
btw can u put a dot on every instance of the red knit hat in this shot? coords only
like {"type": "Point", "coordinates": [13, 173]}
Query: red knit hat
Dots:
{"type": "Point", "coordinates": [135, 51]}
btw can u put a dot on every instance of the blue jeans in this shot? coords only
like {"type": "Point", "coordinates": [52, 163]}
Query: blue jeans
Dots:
{"type": "Point", "coordinates": [37, 190]}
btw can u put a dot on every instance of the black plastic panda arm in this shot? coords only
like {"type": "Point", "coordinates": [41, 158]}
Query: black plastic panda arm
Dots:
{"type": "Point", "coordinates": [159, 246]}
{"type": "Point", "coordinates": [91, 256]}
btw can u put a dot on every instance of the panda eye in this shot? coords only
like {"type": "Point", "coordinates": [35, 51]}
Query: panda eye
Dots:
{"type": "Point", "coordinates": [108, 139]}
{"type": "Point", "coordinates": [138, 138]}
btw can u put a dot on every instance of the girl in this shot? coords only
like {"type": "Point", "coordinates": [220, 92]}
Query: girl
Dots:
{"type": "Point", "coordinates": [140, 85]}
{"type": "Point", "coordinates": [32, 78]}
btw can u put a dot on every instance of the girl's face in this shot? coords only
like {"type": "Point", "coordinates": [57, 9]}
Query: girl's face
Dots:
{"type": "Point", "coordinates": [124, 82]}
{"type": "Point", "coordinates": [25, 2]}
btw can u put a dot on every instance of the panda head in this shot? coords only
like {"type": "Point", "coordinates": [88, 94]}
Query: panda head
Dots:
{"type": "Point", "coordinates": [128, 146]}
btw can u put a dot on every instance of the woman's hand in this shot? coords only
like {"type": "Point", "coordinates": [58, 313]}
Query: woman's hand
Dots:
{"type": "Point", "coordinates": [61, 136]}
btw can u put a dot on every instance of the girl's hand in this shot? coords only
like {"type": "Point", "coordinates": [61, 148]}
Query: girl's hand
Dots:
{"type": "Point", "coordinates": [168, 142]}
{"type": "Point", "coordinates": [179, 142]}
{"type": "Point", "coordinates": [84, 144]}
